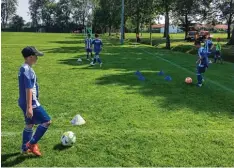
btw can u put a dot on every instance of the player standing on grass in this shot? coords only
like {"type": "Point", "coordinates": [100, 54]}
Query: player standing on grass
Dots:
{"type": "Point", "coordinates": [97, 49]}
{"type": "Point", "coordinates": [202, 62]}
{"type": "Point", "coordinates": [88, 47]}
{"type": "Point", "coordinates": [218, 52]}
{"type": "Point", "coordinates": [33, 112]}
{"type": "Point", "coordinates": [209, 45]}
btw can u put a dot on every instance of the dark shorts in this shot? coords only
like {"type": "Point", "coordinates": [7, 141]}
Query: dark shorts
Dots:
{"type": "Point", "coordinates": [39, 115]}
{"type": "Point", "coordinates": [201, 70]}
{"type": "Point", "coordinates": [217, 54]}
{"type": "Point", "coordinates": [97, 52]}
{"type": "Point", "coordinates": [88, 50]}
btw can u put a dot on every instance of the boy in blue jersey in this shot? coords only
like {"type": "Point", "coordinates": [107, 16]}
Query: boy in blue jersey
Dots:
{"type": "Point", "coordinates": [88, 46]}
{"type": "Point", "coordinates": [208, 45]}
{"type": "Point", "coordinates": [202, 62]}
{"type": "Point", "coordinates": [97, 49]}
{"type": "Point", "coordinates": [33, 112]}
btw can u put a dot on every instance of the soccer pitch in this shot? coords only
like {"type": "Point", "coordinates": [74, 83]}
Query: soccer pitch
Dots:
{"type": "Point", "coordinates": [128, 122]}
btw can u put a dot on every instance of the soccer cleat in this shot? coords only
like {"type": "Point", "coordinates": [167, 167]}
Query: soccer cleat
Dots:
{"type": "Point", "coordinates": [100, 64]}
{"type": "Point", "coordinates": [34, 149]}
{"type": "Point", "coordinates": [88, 59]}
{"type": "Point", "coordinates": [92, 64]}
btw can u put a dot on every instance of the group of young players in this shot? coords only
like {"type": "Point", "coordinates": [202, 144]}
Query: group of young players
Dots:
{"type": "Point", "coordinates": [203, 60]}
{"type": "Point", "coordinates": [35, 114]}
{"type": "Point", "coordinates": [97, 43]}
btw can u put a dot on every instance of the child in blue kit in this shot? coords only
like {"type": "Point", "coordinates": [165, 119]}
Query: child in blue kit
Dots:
{"type": "Point", "coordinates": [28, 101]}
{"type": "Point", "coordinates": [97, 49]}
{"type": "Point", "coordinates": [202, 62]}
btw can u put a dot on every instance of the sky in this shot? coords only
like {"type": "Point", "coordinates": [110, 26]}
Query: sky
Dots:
{"type": "Point", "coordinates": [23, 10]}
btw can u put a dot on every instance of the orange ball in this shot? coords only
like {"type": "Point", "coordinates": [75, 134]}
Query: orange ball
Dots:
{"type": "Point", "coordinates": [188, 80]}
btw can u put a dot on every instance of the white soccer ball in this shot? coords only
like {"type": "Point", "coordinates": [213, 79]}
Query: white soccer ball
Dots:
{"type": "Point", "coordinates": [68, 138]}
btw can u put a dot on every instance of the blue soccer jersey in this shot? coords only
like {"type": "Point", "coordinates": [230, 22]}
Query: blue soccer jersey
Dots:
{"type": "Point", "coordinates": [97, 45]}
{"type": "Point", "coordinates": [202, 53]}
{"type": "Point", "coordinates": [208, 45]}
{"type": "Point", "coordinates": [88, 43]}
{"type": "Point", "coordinates": [28, 80]}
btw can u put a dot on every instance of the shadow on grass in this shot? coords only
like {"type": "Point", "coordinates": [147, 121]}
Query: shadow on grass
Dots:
{"type": "Point", "coordinates": [79, 41]}
{"type": "Point", "coordinates": [60, 147]}
{"type": "Point", "coordinates": [19, 159]}
{"type": "Point", "coordinates": [73, 49]}
{"type": "Point", "coordinates": [176, 95]}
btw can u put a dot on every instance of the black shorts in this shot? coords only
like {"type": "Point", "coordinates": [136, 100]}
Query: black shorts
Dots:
{"type": "Point", "coordinates": [201, 69]}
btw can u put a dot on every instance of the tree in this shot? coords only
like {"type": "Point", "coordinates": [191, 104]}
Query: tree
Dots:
{"type": "Point", "coordinates": [221, 10]}
{"type": "Point", "coordinates": [185, 11]}
{"type": "Point", "coordinates": [34, 10]}
{"type": "Point", "coordinates": [8, 9]}
{"type": "Point", "coordinates": [62, 15]}
{"type": "Point", "coordinates": [17, 23]}
{"type": "Point", "coordinates": [108, 14]}
{"type": "Point", "coordinates": [48, 9]}
{"type": "Point", "coordinates": [227, 9]}
{"type": "Point", "coordinates": [231, 41]}
{"type": "Point", "coordinates": [165, 6]}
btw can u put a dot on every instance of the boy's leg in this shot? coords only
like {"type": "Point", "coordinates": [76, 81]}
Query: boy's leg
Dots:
{"type": "Point", "coordinates": [40, 116]}
{"type": "Point", "coordinates": [27, 132]}
{"type": "Point", "coordinates": [199, 76]}
{"type": "Point", "coordinates": [88, 54]}
{"type": "Point", "coordinates": [215, 59]}
{"type": "Point", "coordinates": [91, 54]}
{"type": "Point", "coordinates": [27, 135]}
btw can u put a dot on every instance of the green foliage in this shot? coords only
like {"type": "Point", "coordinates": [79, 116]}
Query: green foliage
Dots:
{"type": "Point", "coordinates": [17, 23]}
{"type": "Point", "coordinates": [8, 9]}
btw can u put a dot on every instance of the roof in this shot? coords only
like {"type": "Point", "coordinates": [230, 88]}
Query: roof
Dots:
{"type": "Point", "coordinates": [225, 27]}
{"type": "Point", "coordinates": [158, 26]}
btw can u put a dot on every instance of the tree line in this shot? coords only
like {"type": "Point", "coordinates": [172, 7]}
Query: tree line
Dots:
{"type": "Point", "coordinates": [104, 15]}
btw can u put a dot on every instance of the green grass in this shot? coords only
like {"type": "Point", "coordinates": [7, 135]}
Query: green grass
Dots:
{"type": "Point", "coordinates": [129, 122]}
{"type": "Point", "coordinates": [178, 43]}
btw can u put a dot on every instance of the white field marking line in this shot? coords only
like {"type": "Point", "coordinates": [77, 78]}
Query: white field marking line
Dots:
{"type": "Point", "coordinates": [180, 67]}
{"type": "Point", "coordinates": [144, 131]}
{"type": "Point", "coordinates": [185, 69]}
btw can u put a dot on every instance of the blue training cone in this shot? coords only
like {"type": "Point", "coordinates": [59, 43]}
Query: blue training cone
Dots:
{"type": "Point", "coordinates": [168, 78]}
{"type": "Point", "coordinates": [138, 73]}
{"type": "Point", "coordinates": [141, 78]}
{"type": "Point", "coordinates": [161, 73]}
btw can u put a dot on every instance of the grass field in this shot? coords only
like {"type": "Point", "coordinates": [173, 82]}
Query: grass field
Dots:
{"type": "Point", "coordinates": [129, 122]}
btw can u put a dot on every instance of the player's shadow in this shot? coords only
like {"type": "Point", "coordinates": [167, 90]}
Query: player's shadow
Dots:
{"type": "Point", "coordinates": [60, 147]}
{"type": "Point", "coordinates": [19, 159]}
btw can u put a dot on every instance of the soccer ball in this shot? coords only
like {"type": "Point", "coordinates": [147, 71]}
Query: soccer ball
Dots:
{"type": "Point", "coordinates": [188, 80]}
{"type": "Point", "coordinates": [68, 138]}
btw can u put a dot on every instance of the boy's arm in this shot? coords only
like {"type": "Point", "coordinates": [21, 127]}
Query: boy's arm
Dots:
{"type": "Point", "coordinates": [199, 57]}
{"type": "Point", "coordinates": [29, 112]}
{"type": "Point", "coordinates": [28, 88]}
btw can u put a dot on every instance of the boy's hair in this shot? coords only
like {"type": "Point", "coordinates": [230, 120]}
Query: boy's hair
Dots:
{"type": "Point", "coordinates": [96, 35]}
{"type": "Point", "coordinates": [197, 43]}
{"type": "Point", "coordinates": [89, 35]}
{"type": "Point", "coordinates": [218, 39]}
